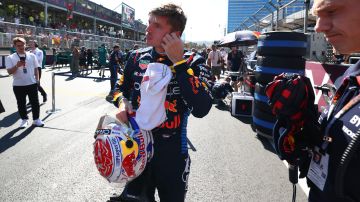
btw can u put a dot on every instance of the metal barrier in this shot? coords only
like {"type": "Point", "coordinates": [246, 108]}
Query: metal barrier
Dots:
{"type": "Point", "coordinates": [283, 15]}
{"type": "Point", "coordinates": [53, 109]}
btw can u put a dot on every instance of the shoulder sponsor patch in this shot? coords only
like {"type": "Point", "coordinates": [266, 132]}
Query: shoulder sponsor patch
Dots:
{"type": "Point", "coordinates": [143, 64]}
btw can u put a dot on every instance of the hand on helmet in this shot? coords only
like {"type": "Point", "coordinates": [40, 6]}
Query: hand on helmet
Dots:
{"type": "Point", "coordinates": [125, 108]}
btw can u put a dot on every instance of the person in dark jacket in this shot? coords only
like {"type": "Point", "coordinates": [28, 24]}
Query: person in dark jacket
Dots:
{"type": "Point", "coordinates": [135, 47]}
{"type": "Point", "coordinates": [82, 60]}
{"type": "Point", "coordinates": [336, 176]}
{"type": "Point", "coordinates": [235, 60]}
{"type": "Point", "coordinates": [89, 60]}
{"type": "Point", "coordinates": [187, 94]}
{"type": "Point", "coordinates": [115, 61]}
{"type": "Point", "coordinates": [332, 169]}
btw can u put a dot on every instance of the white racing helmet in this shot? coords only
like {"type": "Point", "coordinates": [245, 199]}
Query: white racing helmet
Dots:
{"type": "Point", "coordinates": [120, 152]}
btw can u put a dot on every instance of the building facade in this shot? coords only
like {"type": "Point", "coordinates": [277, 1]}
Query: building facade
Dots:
{"type": "Point", "coordinates": [239, 10]}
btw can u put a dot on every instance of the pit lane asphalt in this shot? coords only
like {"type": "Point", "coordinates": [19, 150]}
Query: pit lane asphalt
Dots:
{"type": "Point", "coordinates": [55, 163]}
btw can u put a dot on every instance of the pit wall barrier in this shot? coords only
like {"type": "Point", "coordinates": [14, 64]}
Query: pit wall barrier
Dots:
{"type": "Point", "coordinates": [321, 74]}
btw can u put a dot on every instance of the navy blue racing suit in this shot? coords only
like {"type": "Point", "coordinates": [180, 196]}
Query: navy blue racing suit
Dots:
{"type": "Point", "coordinates": [187, 92]}
{"type": "Point", "coordinates": [340, 131]}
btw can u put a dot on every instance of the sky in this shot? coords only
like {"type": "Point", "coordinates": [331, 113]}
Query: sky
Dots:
{"type": "Point", "coordinates": [206, 19]}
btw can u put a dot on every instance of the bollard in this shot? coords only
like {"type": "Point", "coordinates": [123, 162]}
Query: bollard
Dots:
{"type": "Point", "coordinates": [53, 110]}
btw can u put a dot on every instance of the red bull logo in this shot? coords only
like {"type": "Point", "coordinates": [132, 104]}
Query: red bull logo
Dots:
{"type": "Point", "coordinates": [175, 123]}
{"type": "Point", "coordinates": [142, 153]}
{"type": "Point", "coordinates": [128, 164]}
{"type": "Point", "coordinates": [103, 157]}
{"type": "Point", "coordinates": [171, 106]}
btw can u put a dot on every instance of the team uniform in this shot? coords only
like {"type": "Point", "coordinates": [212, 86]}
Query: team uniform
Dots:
{"type": "Point", "coordinates": [187, 93]}
{"type": "Point", "coordinates": [340, 126]}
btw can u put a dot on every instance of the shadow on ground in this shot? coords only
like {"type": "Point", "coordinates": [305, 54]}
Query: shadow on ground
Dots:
{"type": "Point", "coordinates": [10, 139]}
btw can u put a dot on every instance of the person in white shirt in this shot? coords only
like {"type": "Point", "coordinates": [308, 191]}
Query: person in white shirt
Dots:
{"type": "Point", "coordinates": [39, 56]}
{"type": "Point", "coordinates": [23, 66]}
{"type": "Point", "coordinates": [214, 61]}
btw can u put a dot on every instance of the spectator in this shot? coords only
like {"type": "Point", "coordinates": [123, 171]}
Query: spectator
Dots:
{"type": "Point", "coordinates": [214, 61]}
{"type": "Point", "coordinates": [82, 60]}
{"type": "Point", "coordinates": [235, 62]}
{"type": "Point", "coordinates": [102, 53]}
{"type": "Point", "coordinates": [135, 47]}
{"type": "Point", "coordinates": [74, 66]}
{"type": "Point", "coordinates": [89, 60]}
{"type": "Point", "coordinates": [223, 59]}
{"type": "Point", "coordinates": [204, 53]}
{"type": "Point", "coordinates": [24, 68]}
{"type": "Point", "coordinates": [12, 50]}
{"type": "Point", "coordinates": [115, 61]}
{"type": "Point", "coordinates": [39, 56]}
{"type": "Point", "coordinates": [55, 57]}
{"type": "Point", "coordinates": [44, 56]}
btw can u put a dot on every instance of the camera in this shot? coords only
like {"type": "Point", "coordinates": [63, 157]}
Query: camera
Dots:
{"type": "Point", "coordinates": [22, 58]}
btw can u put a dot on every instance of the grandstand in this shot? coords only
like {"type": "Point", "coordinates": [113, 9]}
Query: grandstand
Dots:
{"type": "Point", "coordinates": [62, 24]}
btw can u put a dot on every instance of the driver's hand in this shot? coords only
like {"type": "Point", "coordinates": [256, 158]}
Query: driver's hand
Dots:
{"type": "Point", "coordinates": [125, 108]}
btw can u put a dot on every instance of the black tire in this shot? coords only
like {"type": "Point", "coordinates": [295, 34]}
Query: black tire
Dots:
{"type": "Point", "coordinates": [264, 122]}
{"type": "Point", "coordinates": [266, 132]}
{"type": "Point", "coordinates": [287, 63]}
{"type": "Point", "coordinates": [260, 98]}
{"type": "Point", "coordinates": [283, 35]}
{"type": "Point", "coordinates": [282, 44]}
{"type": "Point", "coordinates": [264, 115]}
{"type": "Point", "coordinates": [270, 66]}
{"type": "Point", "coordinates": [263, 106]}
{"type": "Point", "coordinates": [264, 78]}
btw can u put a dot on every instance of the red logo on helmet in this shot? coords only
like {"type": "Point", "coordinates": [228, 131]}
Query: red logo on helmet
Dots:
{"type": "Point", "coordinates": [103, 157]}
{"type": "Point", "coordinates": [129, 163]}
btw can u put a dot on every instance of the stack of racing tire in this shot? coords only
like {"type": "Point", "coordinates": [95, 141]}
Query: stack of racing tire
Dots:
{"type": "Point", "coordinates": [279, 52]}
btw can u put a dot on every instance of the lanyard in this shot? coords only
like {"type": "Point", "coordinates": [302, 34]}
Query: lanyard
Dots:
{"type": "Point", "coordinates": [19, 55]}
{"type": "Point", "coordinates": [341, 95]}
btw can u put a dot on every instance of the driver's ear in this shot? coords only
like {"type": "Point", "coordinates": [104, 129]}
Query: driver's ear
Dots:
{"type": "Point", "coordinates": [178, 33]}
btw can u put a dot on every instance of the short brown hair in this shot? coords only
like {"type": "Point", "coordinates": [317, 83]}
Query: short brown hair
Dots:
{"type": "Point", "coordinates": [19, 39]}
{"type": "Point", "coordinates": [175, 15]}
